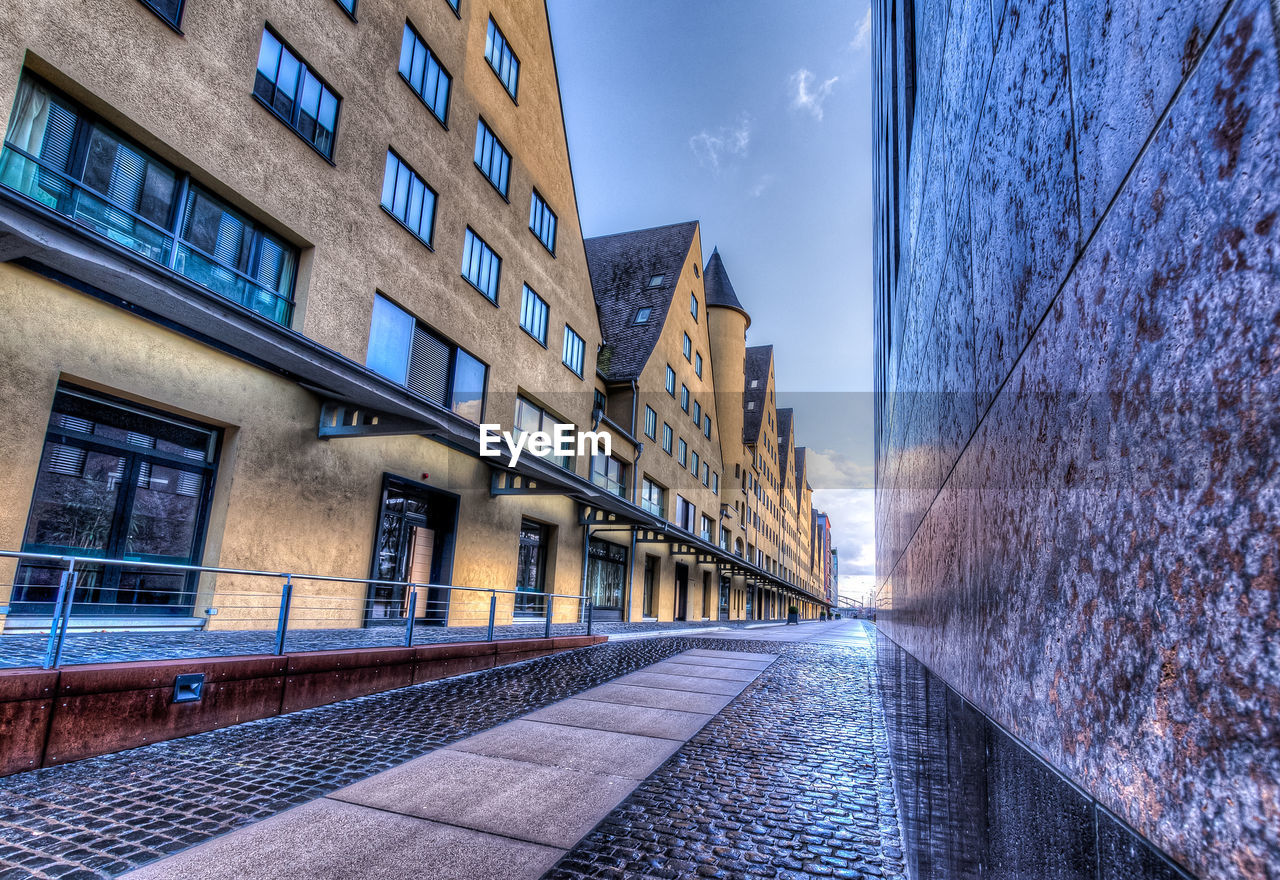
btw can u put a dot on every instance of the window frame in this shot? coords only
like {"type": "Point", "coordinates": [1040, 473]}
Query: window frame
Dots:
{"type": "Point", "coordinates": [350, 13]}
{"type": "Point", "coordinates": [536, 199]}
{"type": "Point", "coordinates": [693, 306]}
{"type": "Point", "coordinates": [482, 128]}
{"type": "Point", "coordinates": [174, 23]}
{"type": "Point", "coordinates": [442, 118]}
{"type": "Point", "coordinates": [390, 211]}
{"type": "Point", "coordinates": [646, 484]}
{"type": "Point", "coordinates": [697, 363]}
{"type": "Point", "coordinates": [684, 397]}
{"type": "Point", "coordinates": [571, 334]}
{"type": "Point", "coordinates": [688, 348]}
{"type": "Point", "coordinates": [682, 449]}
{"type": "Point", "coordinates": [297, 102]}
{"type": "Point", "coordinates": [650, 422]}
{"type": "Point", "coordinates": [671, 381]}
{"type": "Point", "coordinates": [497, 283]}
{"type": "Point", "coordinates": [493, 33]}
{"type": "Point", "coordinates": [668, 438]}
{"type": "Point", "coordinates": [546, 314]}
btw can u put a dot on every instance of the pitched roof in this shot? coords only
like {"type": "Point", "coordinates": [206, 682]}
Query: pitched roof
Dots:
{"type": "Point", "coordinates": [757, 367]}
{"type": "Point", "coordinates": [784, 440]}
{"type": "Point", "coordinates": [801, 475]}
{"type": "Point", "coordinates": [621, 266]}
{"type": "Point", "coordinates": [719, 288]}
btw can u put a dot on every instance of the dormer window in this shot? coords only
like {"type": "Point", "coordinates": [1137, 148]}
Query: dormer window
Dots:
{"type": "Point", "coordinates": [642, 316]}
{"type": "Point", "coordinates": [656, 280]}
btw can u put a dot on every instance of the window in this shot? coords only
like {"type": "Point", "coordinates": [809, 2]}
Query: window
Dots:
{"type": "Point", "coordinates": [542, 222]}
{"type": "Point", "coordinates": [531, 417]}
{"type": "Point", "coordinates": [671, 381]}
{"type": "Point", "coordinates": [289, 88]}
{"type": "Point", "coordinates": [406, 351]}
{"type": "Point", "coordinates": [666, 438]}
{"type": "Point", "coordinates": [480, 265]}
{"type": "Point", "coordinates": [697, 364]}
{"type": "Point", "coordinates": [574, 350]}
{"type": "Point", "coordinates": [492, 158]}
{"type": "Point", "coordinates": [683, 457]}
{"type": "Point", "coordinates": [642, 316]}
{"type": "Point", "coordinates": [708, 529]}
{"type": "Point", "coordinates": [706, 425]}
{"type": "Point", "coordinates": [117, 481]}
{"type": "Point", "coordinates": [533, 315]}
{"type": "Point", "coordinates": [650, 423]}
{"type": "Point", "coordinates": [688, 347]}
{"type": "Point", "coordinates": [715, 483]}
{"type": "Point", "coordinates": [169, 10]}
{"type": "Point", "coordinates": [755, 383]}
{"type": "Point", "coordinates": [407, 197]}
{"type": "Point", "coordinates": [684, 397]}
{"type": "Point", "coordinates": [349, 7]}
{"type": "Point", "coordinates": [58, 155]}
{"type": "Point", "coordinates": [454, 4]}
{"type": "Point", "coordinates": [751, 405]}
{"type": "Point", "coordinates": [653, 497]}
{"type": "Point", "coordinates": [656, 280]}
{"type": "Point", "coordinates": [503, 61]}
{"type": "Point", "coordinates": [693, 305]}
{"type": "Point", "coordinates": [420, 68]}
{"type": "Point", "coordinates": [609, 474]}
{"type": "Point", "coordinates": [694, 467]}
{"type": "Point", "coordinates": [697, 413]}
{"type": "Point", "coordinates": [685, 513]}
{"type": "Point", "coordinates": [706, 474]}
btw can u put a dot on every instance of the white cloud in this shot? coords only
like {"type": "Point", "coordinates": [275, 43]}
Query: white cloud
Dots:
{"type": "Point", "coordinates": [830, 469]}
{"type": "Point", "coordinates": [853, 527]}
{"type": "Point", "coordinates": [712, 150]}
{"type": "Point", "coordinates": [761, 185]}
{"type": "Point", "coordinates": [808, 97]}
{"type": "Point", "coordinates": [862, 39]}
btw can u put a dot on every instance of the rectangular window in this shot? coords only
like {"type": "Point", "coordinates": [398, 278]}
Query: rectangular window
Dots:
{"type": "Point", "coordinates": [707, 532]}
{"type": "Point", "coordinates": [500, 57]}
{"type": "Point", "coordinates": [117, 481]}
{"type": "Point", "coordinates": [697, 413]}
{"type": "Point", "coordinates": [706, 425]}
{"type": "Point", "coordinates": [666, 438]}
{"type": "Point", "coordinates": [533, 315]}
{"type": "Point", "coordinates": [574, 350]}
{"type": "Point", "coordinates": [609, 474]}
{"type": "Point", "coordinates": [454, 5]}
{"type": "Point", "coordinates": [688, 347]}
{"type": "Point", "coordinates": [650, 423]}
{"type": "Point", "coordinates": [683, 457]}
{"type": "Point", "coordinates": [671, 381]}
{"type": "Point", "coordinates": [685, 513]}
{"type": "Point", "coordinates": [492, 158]}
{"type": "Point", "coordinates": [542, 222]}
{"type": "Point", "coordinates": [420, 68]}
{"type": "Point", "coordinates": [57, 154]}
{"type": "Point", "coordinates": [706, 474]}
{"type": "Point", "coordinates": [407, 197]}
{"type": "Point", "coordinates": [684, 397]}
{"type": "Point", "coordinates": [408, 352]}
{"type": "Point", "coordinates": [715, 483]}
{"type": "Point", "coordinates": [169, 10]}
{"type": "Point", "coordinates": [693, 305]}
{"type": "Point", "coordinates": [695, 465]}
{"type": "Point", "coordinates": [292, 90]}
{"type": "Point", "coordinates": [697, 364]}
{"type": "Point", "coordinates": [653, 498]}
{"type": "Point", "coordinates": [531, 417]}
{"type": "Point", "coordinates": [480, 265]}
{"type": "Point", "coordinates": [349, 7]}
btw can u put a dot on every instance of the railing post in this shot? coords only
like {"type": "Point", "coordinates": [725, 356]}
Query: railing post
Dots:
{"type": "Point", "coordinates": [61, 613]}
{"type": "Point", "coordinates": [408, 623]}
{"type": "Point", "coordinates": [550, 600]}
{"type": "Point", "coordinates": [590, 608]}
{"type": "Point", "coordinates": [493, 612]}
{"type": "Point", "coordinates": [282, 625]}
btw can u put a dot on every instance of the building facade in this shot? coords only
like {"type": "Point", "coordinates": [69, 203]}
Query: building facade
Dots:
{"type": "Point", "coordinates": [1076, 431]}
{"type": "Point", "coordinates": [266, 270]}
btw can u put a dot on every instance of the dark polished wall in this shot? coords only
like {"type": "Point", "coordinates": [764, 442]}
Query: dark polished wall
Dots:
{"type": "Point", "coordinates": [1078, 426]}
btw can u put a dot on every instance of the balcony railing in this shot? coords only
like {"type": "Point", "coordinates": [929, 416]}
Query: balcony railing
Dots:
{"type": "Point", "coordinates": [59, 192]}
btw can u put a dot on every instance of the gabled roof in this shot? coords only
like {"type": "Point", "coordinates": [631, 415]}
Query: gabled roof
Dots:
{"type": "Point", "coordinates": [784, 440]}
{"type": "Point", "coordinates": [801, 475]}
{"type": "Point", "coordinates": [719, 288]}
{"type": "Point", "coordinates": [621, 266]}
{"type": "Point", "coordinates": [758, 359]}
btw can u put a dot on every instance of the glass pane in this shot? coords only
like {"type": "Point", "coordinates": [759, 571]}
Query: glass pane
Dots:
{"type": "Point", "coordinates": [468, 387]}
{"type": "Point", "coordinates": [73, 507]}
{"type": "Point", "coordinates": [390, 335]}
{"type": "Point", "coordinates": [269, 56]}
{"type": "Point", "coordinates": [164, 516]}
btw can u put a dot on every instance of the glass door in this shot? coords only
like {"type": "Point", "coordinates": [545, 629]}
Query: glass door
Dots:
{"type": "Point", "coordinates": [531, 572]}
{"type": "Point", "coordinates": [414, 544]}
{"type": "Point", "coordinates": [606, 574]}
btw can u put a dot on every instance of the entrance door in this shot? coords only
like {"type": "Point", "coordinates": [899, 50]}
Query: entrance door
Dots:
{"type": "Point", "coordinates": [682, 591]}
{"type": "Point", "coordinates": [650, 585]}
{"type": "Point", "coordinates": [750, 609]}
{"type": "Point", "coordinates": [606, 574]}
{"type": "Point", "coordinates": [724, 597]}
{"type": "Point", "coordinates": [415, 544]}
{"type": "Point", "coordinates": [531, 571]}
{"type": "Point", "coordinates": [707, 596]}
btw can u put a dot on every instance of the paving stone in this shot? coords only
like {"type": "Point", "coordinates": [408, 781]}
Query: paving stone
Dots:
{"type": "Point", "coordinates": [574, 748]}
{"type": "Point", "coordinates": [671, 667]}
{"type": "Point", "coordinates": [658, 698]}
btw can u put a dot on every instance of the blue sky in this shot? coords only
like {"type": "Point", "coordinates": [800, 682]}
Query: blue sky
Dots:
{"type": "Point", "coordinates": [753, 118]}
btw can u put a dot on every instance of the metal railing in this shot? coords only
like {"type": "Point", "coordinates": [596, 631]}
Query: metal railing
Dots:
{"type": "Point", "coordinates": [257, 620]}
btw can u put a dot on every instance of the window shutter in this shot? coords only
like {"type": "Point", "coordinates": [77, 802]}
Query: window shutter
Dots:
{"type": "Point", "coordinates": [429, 366]}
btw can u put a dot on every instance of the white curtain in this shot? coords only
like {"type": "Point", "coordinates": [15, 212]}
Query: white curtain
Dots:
{"type": "Point", "coordinates": [27, 125]}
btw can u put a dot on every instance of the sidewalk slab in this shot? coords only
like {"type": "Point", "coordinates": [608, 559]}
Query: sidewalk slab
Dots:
{"type": "Point", "coordinates": [683, 683]}
{"type": "Point", "coordinates": [730, 655]}
{"type": "Point", "coordinates": [622, 718]}
{"type": "Point", "coordinates": [656, 698]}
{"type": "Point", "coordinates": [531, 802]}
{"type": "Point", "coordinates": [336, 841]}
{"type": "Point", "coordinates": [573, 748]}
{"type": "Point", "coordinates": [699, 671]}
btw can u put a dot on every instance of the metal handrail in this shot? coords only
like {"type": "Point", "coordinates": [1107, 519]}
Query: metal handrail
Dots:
{"type": "Point", "coordinates": [75, 564]}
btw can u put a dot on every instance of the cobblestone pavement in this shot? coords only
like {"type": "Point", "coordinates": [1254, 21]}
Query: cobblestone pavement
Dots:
{"type": "Point", "coordinates": [96, 647]}
{"type": "Point", "coordinates": [790, 781]}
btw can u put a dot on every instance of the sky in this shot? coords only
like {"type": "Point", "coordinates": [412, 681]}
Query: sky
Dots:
{"type": "Point", "coordinates": [753, 118]}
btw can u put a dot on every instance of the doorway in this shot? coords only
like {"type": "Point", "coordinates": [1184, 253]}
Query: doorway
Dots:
{"type": "Point", "coordinates": [414, 543]}
{"type": "Point", "coordinates": [531, 571]}
{"type": "Point", "coordinates": [650, 585]}
{"type": "Point", "coordinates": [606, 574]}
{"type": "Point", "coordinates": [724, 597]}
{"type": "Point", "coordinates": [682, 591]}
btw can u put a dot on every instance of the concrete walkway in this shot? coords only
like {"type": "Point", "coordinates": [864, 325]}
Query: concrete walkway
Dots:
{"type": "Point", "coordinates": [506, 803]}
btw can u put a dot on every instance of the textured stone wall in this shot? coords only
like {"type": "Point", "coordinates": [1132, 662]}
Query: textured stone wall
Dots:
{"type": "Point", "coordinates": [1078, 490]}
